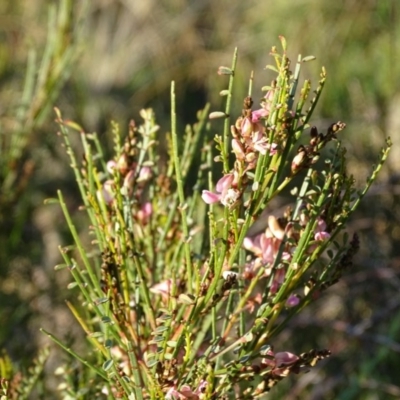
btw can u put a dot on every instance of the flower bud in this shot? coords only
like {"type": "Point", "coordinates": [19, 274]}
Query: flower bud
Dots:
{"type": "Point", "coordinates": [237, 148]}
{"type": "Point", "coordinates": [298, 160]}
{"type": "Point", "coordinates": [144, 174]}
{"type": "Point", "coordinates": [275, 227]}
{"type": "Point", "coordinates": [128, 180]}
{"type": "Point", "coordinates": [111, 165]}
{"type": "Point", "coordinates": [246, 128]}
{"type": "Point", "coordinates": [122, 164]}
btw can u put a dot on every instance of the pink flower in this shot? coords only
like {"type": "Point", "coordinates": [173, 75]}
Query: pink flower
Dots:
{"type": "Point", "coordinates": [107, 192]}
{"type": "Point", "coordinates": [144, 174]}
{"type": "Point", "coordinates": [246, 127]}
{"type": "Point", "coordinates": [261, 144]}
{"type": "Point", "coordinates": [279, 278]}
{"type": "Point", "coordinates": [258, 114]}
{"type": "Point", "coordinates": [163, 288]}
{"type": "Point", "coordinates": [292, 301]}
{"type": "Point", "coordinates": [225, 193]}
{"type": "Point", "coordinates": [320, 231]}
{"type": "Point", "coordinates": [111, 165]}
{"type": "Point", "coordinates": [265, 107]}
{"type": "Point", "coordinates": [128, 181]}
{"type": "Point", "coordinates": [237, 148]}
{"type": "Point", "coordinates": [144, 214]}
{"type": "Point", "coordinates": [265, 246]}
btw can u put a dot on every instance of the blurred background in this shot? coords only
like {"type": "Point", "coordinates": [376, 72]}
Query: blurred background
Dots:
{"type": "Point", "coordinates": [104, 60]}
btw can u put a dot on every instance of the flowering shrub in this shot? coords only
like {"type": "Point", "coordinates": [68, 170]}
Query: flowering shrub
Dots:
{"type": "Point", "coordinates": [184, 290]}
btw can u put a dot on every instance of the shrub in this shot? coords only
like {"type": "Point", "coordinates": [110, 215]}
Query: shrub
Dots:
{"type": "Point", "coordinates": [184, 291]}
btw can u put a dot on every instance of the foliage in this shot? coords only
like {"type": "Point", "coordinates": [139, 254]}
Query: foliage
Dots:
{"type": "Point", "coordinates": [183, 303]}
{"type": "Point", "coordinates": [100, 59]}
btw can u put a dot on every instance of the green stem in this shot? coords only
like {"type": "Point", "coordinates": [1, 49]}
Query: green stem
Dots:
{"type": "Point", "coordinates": [179, 182]}
{"type": "Point", "coordinates": [79, 358]}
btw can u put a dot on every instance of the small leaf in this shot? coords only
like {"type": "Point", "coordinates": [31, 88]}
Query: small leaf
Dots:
{"type": "Point", "coordinates": [105, 320]}
{"type": "Point", "coordinates": [96, 334]}
{"type": "Point", "coordinates": [151, 359]}
{"type": "Point", "coordinates": [108, 364]}
{"type": "Point", "coordinates": [266, 88]}
{"type": "Point", "coordinates": [244, 359]}
{"type": "Point", "coordinates": [101, 300]}
{"type": "Point", "coordinates": [158, 339]}
{"type": "Point", "coordinates": [60, 266]}
{"type": "Point", "coordinates": [248, 337]}
{"type": "Point", "coordinates": [172, 343]}
{"type": "Point", "coordinates": [151, 362]}
{"type": "Point", "coordinates": [217, 114]}
{"type": "Point", "coordinates": [160, 329]}
{"type": "Point", "coordinates": [273, 68]}
{"type": "Point", "coordinates": [108, 344]}
{"type": "Point", "coordinates": [72, 285]}
{"type": "Point", "coordinates": [224, 92]}
{"type": "Point", "coordinates": [283, 42]}
{"type": "Point", "coordinates": [51, 201]}
{"type": "Point", "coordinates": [73, 125]}
{"type": "Point", "coordinates": [168, 356]}
{"type": "Point", "coordinates": [265, 349]}
{"type": "Point", "coordinates": [186, 299]}
{"type": "Point", "coordinates": [308, 58]}
{"type": "Point", "coordinates": [237, 349]}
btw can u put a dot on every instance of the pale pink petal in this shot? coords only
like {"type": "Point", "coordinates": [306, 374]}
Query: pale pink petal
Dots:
{"type": "Point", "coordinates": [292, 301]}
{"type": "Point", "coordinates": [321, 225]}
{"type": "Point", "coordinates": [210, 197]}
{"type": "Point", "coordinates": [111, 165]}
{"type": "Point", "coordinates": [247, 127]}
{"type": "Point", "coordinates": [285, 358]}
{"type": "Point", "coordinates": [237, 148]}
{"type": "Point", "coordinates": [173, 394]}
{"type": "Point", "coordinates": [273, 148]}
{"type": "Point", "coordinates": [321, 236]}
{"type": "Point", "coordinates": [129, 179]}
{"type": "Point", "coordinates": [268, 249]}
{"type": "Point", "coordinates": [144, 174]}
{"type": "Point", "coordinates": [224, 183]}
{"type": "Point", "coordinates": [163, 288]}
{"type": "Point", "coordinates": [249, 244]}
{"type": "Point", "coordinates": [188, 393]}
{"type": "Point", "coordinates": [145, 212]}
{"type": "Point", "coordinates": [258, 114]}
{"type": "Point", "coordinates": [107, 192]}
{"type": "Point", "coordinates": [202, 387]}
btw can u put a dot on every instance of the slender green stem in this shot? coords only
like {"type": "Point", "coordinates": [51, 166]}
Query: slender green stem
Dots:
{"type": "Point", "coordinates": [79, 358]}
{"type": "Point", "coordinates": [77, 240]}
{"type": "Point", "coordinates": [179, 182]}
{"type": "Point", "coordinates": [226, 139]}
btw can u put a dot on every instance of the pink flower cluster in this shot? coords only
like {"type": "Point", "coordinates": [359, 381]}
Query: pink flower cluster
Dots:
{"type": "Point", "coordinates": [249, 140]}
{"type": "Point", "coordinates": [265, 246]}
{"type": "Point", "coordinates": [128, 180]}
{"type": "Point", "coordinates": [249, 134]}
